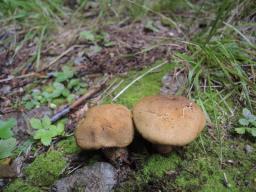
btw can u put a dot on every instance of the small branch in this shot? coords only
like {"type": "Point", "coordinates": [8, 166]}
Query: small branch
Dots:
{"type": "Point", "coordinates": [23, 76]}
{"type": "Point", "coordinates": [60, 56]}
{"type": "Point", "coordinates": [78, 102]}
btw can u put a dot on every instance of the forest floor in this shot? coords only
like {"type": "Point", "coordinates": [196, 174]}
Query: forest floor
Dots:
{"type": "Point", "coordinates": [53, 54]}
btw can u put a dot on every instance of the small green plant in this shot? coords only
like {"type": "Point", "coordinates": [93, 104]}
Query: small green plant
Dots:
{"type": "Point", "coordinates": [66, 74]}
{"type": "Point", "coordinates": [45, 130]}
{"type": "Point", "coordinates": [7, 141]}
{"type": "Point", "coordinates": [97, 38]}
{"type": "Point", "coordinates": [64, 87]}
{"type": "Point", "coordinates": [248, 123]}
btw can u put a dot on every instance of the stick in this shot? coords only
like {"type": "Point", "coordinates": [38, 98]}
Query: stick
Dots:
{"type": "Point", "coordinates": [60, 56]}
{"type": "Point", "coordinates": [85, 97]}
{"type": "Point", "coordinates": [137, 79]}
{"type": "Point", "coordinates": [23, 76]}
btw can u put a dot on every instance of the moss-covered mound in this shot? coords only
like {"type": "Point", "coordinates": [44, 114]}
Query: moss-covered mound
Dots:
{"type": "Point", "coordinates": [68, 146]}
{"type": "Point", "coordinates": [45, 169]}
{"type": "Point", "coordinates": [20, 185]}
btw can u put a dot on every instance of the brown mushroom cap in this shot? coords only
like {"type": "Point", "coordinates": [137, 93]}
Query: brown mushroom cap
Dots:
{"type": "Point", "coordinates": [168, 120]}
{"type": "Point", "coordinates": [104, 126]}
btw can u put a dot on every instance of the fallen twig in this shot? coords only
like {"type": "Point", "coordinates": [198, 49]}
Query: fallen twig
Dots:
{"type": "Point", "coordinates": [60, 56]}
{"type": "Point", "coordinates": [23, 76]}
{"type": "Point", "coordinates": [86, 96]}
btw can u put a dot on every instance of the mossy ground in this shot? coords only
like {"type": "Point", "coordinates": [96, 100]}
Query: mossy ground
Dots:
{"type": "Point", "coordinates": [200, 166]}
{"type": "Point", "coordinates": [148, 85]}
{"type": "Point", "coordinates": [42, 172]}
{"type": "Point", "coordinates": [208, 164]}
{"type": "Point", "coordinates": [45, 169]}
{"type": "Point", "coordinates": [20, 185]}
{"type": "Point", "coordinates": [68, 146]}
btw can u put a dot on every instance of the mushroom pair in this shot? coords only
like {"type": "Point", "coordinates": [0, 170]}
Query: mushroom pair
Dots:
{"type": "Point", "coordinates": [165, 121]}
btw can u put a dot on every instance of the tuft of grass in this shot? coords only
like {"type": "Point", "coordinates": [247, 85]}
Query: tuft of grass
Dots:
{"type": "Point", "coordinates": [32, 13]}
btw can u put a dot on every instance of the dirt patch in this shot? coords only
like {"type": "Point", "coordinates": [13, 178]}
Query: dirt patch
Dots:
{"type": "Point", "coordinates": [134, 47]}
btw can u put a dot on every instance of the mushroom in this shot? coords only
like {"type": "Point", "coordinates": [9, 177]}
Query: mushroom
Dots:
{"type": "Point", "coordinates": [168, 121]}
{"type": "Point", "coordinates": [106, 127]}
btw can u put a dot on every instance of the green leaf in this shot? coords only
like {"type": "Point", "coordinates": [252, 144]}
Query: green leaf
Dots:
{"type": "Point", "coordinates": [36, 123]}
{"type": "Point", "coordinates": [252, 118]}
{"type": "Point", "coordinates": [5, 128]}
{"type": "Point", "coordinates": [243, 122]}
{"type": "Point", "coordinates": [6, 147]}
{"type": "Point", "coordinates": [71, 98]}
{"type": "Point", "coordinates": [46, 140]}
{"type": "Point", "coordinates": [46, 122]}
{"type": "Point", "coordinates": [60, 128]}
{"type": "Point", "coordinates": [65, 92]}
{"type": "Point", "coordinates": [240, 130]}
{"type": "Point", "coordinates": [66, 74]}
{"type": "Point", "coordinates": [39, 134]}
{"type": "Point", "coordinates": [29, 105]}
{"type": "Point", "coordinates": [253, 123]}
{"type": "Point", "coordinates": [58, 89]}
{"type": "Point", "coordinates": [72, 83]}
{"type": "Point", "coordinates": [247, 113]}
{"type": "Point", "coordinates": [58, 85]}
{"type": "Point", "coordinates": [253, 132]}
{"type": "Point", "coordinates": [88, 35]}
{"type": "Point", "coordinates": [150, 26]}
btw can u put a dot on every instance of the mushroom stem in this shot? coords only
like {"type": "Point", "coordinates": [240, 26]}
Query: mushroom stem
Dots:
{"type": "Point", "coordinates": [163, 149]}
{"type": "Point", "coordinates": [116, 155]}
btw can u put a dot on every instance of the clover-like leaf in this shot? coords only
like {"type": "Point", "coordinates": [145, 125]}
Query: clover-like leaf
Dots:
{"type": "Point", "coordinates": [5, 128]}
{"type": "Point", "coordinates": [60, 128]}
{"type": "Point", "coordinates": [39, 133]}
{"type": "Point", "coordinates": [70, 98]}
{"type": "Point", "coordinates": [253, 123]}
{"type": "Point", "coordinates": [29, 105]}
{"type": "Point", "coordinates": [53, 131]}
{"type": "Point", "coordinates": [240, 130]}
{"type": "Point", "coordinates": [253, 132]}
{"type": "Point", "coordinates": [6, 147]}
{"type": "Point", "coordinates": [46, 122]}
{"type": "Point", "coordinates": [246, 113]}
{"type": "Point", "coordinates": [88, 35]}
{"type": "Point", "coordinates": [150, 26]}
{"type": "Point", "coordinates": [36, 123]}
{"type": "Point", "coordinates": [66, 74]}
{"type": "Point", "coordinates": [73, 83]}
{"type": "Point", "coordinates": [243, 122]}
{"type": "Point", "coordinates": [65, 92]}
{"type": "Point", "coordinates": [46, 139]}
{"type": "Point", "coordinates": [49, 131]}
{"type": "Point", "coordinates": [252, 118]}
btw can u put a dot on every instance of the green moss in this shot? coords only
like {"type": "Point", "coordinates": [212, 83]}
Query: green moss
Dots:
{"type": "Point", "coordinates": [203, 174]}
{"type": "Point", "coordinates": [157, 165]}
{"type": "Point", "coordinates": [68, 146]}
{"type": "Point", "coordinates": [148, 85]}
{"type": "Point", "coordinates": [20, 185]}
{"type": "Point", "coordinates": [243, 167]}
{"type": "Point", "coordinates": [45, 169]}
